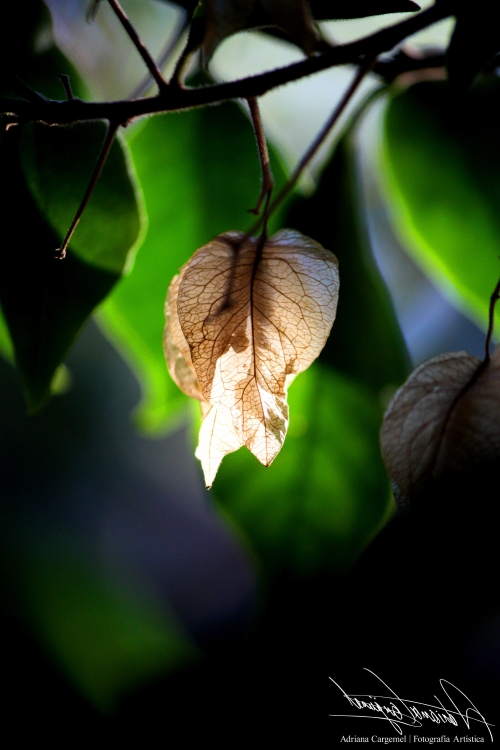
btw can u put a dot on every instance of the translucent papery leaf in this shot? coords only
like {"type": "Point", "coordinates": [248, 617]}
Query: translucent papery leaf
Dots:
{"type": "Point", "coordinates": [176, 348]}
{"type": "Point", "coordinates": [446, 418]}
{"type": "Point", "coordinates": [217, 438]}
{"type": "Point", "coordinates": [282, 304]}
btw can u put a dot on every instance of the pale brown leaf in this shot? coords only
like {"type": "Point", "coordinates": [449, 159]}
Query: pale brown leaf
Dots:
{"type": "Point", "coordinates": [217, 437]}
{"type": "Point", "coordinates": [445, 418]}
{"type": "Point", "coordinates": [283, 303]}
{"type": "Point", "coordinates": [176, 348]}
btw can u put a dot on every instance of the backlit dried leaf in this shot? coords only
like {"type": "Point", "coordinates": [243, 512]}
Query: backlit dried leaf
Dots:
{"type": "Point", "coordinates": [176, 348]}
{"type": "Point", "coordinates": [445, 418]}
{"type": "Point", "coordinates": [227, 17]}
{"type": "Point", "coordinates": [242, 359]}
{"type": "Point", "coordinates": [217, 436]}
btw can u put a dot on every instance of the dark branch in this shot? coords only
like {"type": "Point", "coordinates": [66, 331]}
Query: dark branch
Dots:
{"type": "Point", "coordinates": [175, 98]}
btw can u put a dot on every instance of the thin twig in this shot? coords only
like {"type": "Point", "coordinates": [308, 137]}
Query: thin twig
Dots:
{"type": "Point", "coordinates": [66, 83]}
{"type": "Point", "coordinates": [165, 55]}
{"type": "Point", "coordinates": [176, 98]}
{"type": "Point", "coordinates": [265, 165]}
{"type": "Point", "coordinates": [270, 207]}
{"type": "Point", "coordinates": [321, 137]}
{"type": "Point", "coordinates": [136, 40]}
{"type": "Point", "coordinates": [106, 146]}
{"type": "Point", "coordinates": [491, 321]}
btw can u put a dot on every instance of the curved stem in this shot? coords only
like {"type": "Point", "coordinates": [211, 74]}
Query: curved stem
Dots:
{"type": "Point", "coordinates": [323, 134]}
{"type": "Point", "coordinates": [136, 40]}
{"type": "Point", "coordinates": [265, 164]}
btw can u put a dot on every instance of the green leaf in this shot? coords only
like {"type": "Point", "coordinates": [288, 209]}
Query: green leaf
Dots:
{"type": "Point", "coordinates": [199, 174]}
{"type": "Point", "coordinates": [6, 349]}
{"type": "Point", "coordinates": [442, 160]}
{"type": "Point", "coordinates": [366, 342]}
{"type": "Point", "coordinates": [326, 493]}
{"type": "Point", "coordinates": [46, 301]}
{"type": "Point", "coordinates": [58, 163]}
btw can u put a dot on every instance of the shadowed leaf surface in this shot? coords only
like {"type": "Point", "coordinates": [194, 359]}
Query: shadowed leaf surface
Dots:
{"type": "Point", "coordinates": [282, 304]}
{"type": "Point", "coordinates": [444, 419]}
{"type": "Point", "coordinates": [45, 301]}
{"type": "Point", "coordinates": [475, 41]}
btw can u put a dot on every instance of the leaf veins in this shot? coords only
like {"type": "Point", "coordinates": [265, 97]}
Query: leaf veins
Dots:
{"type": "Point", "coordinates": [240, 358]}
{"type": "Point", "coordinates": [445, 418]}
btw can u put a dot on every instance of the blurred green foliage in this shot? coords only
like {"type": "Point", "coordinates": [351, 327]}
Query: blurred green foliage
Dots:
{"type": "Point", "coordinates": [326, 493]}
{"type": "Point", "coordinates": [105, 636]}
{"type": "Point", "coordinates": [442, 158]}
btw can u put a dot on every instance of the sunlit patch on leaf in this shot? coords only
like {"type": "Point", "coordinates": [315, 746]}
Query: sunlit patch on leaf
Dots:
{"type": "Point", "coordinates": [244, 317]}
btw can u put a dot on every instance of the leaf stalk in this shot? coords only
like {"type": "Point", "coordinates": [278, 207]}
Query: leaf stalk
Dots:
{"type": "Point", "coordinates": [60, 253]}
